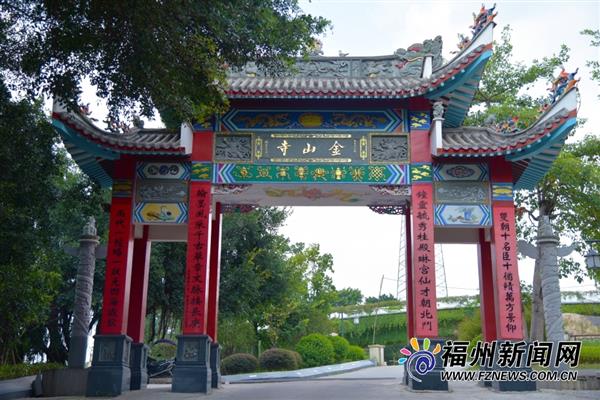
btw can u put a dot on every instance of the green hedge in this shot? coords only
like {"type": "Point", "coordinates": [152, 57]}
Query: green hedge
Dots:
{"type": "Point", "coordinates": [340, 347]}
{"type": "Point", "coordinates": [590, 353]}
{"type": "Point", "coordinates": [163, 351]}
{"type": "Point", "coordinates": [12, 371]}
{"type": "Point", "coordinates": [316, 350]}
{"type": "Point", "coordinates": [239, 363]}
{"type": "Point", "coordinates": [452, 323]}
{"type": "Point", "coordinates": [278, 360]}
{"type": "Point", "coordinates": [355, 353]}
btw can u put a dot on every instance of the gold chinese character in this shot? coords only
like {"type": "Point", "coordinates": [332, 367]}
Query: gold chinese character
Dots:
{"type": "Point", "coordinates": [283, 147]}
{"type": "Point", "coordinates": [336, 149]}
{"type": "Point", "coordinates": [309, 149]}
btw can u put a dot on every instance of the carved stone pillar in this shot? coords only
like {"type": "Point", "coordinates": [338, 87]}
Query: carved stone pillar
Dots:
{"type": "Point", "coordinates": [84, 286]}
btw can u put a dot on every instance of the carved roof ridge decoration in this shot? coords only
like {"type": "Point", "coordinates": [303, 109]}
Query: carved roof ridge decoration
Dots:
{"type": "Point", "coordinates": [390, 76]}
{"type": "Point", "coordinates": [485, 141]}
{"type": "Point", "coordinates": [343, 87]}
{"type": "Point", "coordinates": [135, 140]}
{"type": "Point", "coordinates": [402, 63]}
{"type": "Point", "coordinates": [475, 137]}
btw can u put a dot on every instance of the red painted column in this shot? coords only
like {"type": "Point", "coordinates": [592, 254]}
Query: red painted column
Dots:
{"type": "Point", "coordinates": [410, 312]}
{"type": "Point", "coordinates": [509, 319]}
{"type": "Point", "coordinates": [115, 301]}
{"type": "Point", "coordinates": [214, 274]}
{"type": "Point", "coordinates": [423, 244]}
{"type": "Point", "coordinates": [139, 287]}
{"type": "Point", "coordinates": [486, 288]}
{"type": "Point", "coordinates": [195, 308]}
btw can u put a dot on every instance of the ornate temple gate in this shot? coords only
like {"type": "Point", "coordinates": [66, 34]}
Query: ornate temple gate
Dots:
{"type": "Point", "coordinates": [383, 132]}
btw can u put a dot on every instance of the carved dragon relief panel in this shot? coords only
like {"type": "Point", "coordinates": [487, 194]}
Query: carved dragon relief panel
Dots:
{"type": "Point", "coordinates": [234, 148]}
{"type": "Point", "coordinates": [389, 148]}
{"type": "Point", "coordinates": [403, 63]}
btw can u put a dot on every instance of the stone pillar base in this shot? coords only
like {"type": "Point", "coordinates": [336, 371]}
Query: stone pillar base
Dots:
{"type": "Point", "coordinates": [110, 374]}
{"type": "Point", "coordinates": [512, 386]}
{"type": "Point", "coordinates": [64, 382]}
{"type": "Point", "coordinates": [192, 373]}
{"type": "Point", "coordinates": [376, 353]}
{"type": "Point", "coordinates": [215, 364]}
{"type": "Point", "coordinates": [139, 372]}
{"type": "Point", "coordinates": [77, 352]}
{"type": "Point", "coordinates": [431, 380]}
{"type": "Point", "coordinates": [487, 384]}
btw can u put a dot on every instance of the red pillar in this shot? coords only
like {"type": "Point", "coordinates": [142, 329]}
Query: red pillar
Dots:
{"type": "Point", "coordinates": [423, 244]}
{"type": "Point", "coordinates": [486, 288]}
{"type": "Point", "coordinates": [410, 312]}
{"type": "Point", "coordinates": [115, 301]}
{"type": "Point", "coordinates": [139, 287]}
{"type": "Point", "coordinates": [214, 273]}
{"type": "Point", "coordinates": [509, 319]}
{"type": "Point", "coordinates": [195, 308]}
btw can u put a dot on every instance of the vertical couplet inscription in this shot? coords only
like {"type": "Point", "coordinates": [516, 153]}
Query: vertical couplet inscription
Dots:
{"type": "Point", "coordinates": [195, 306]}
{"type": "Point", "coordinates": [424, 262]}
{"type": "Point", "coordinates": [117, 271]}
{"type": "Point", "coordinates": [507, 275]}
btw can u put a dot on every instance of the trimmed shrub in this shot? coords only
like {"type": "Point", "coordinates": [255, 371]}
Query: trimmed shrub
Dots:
{"type": "Point", "coordinates": [356, 353]}
{"type": "Point", "coordinates": [239, 363]}
{"type": "Point", "coordinates": [316, 350]}
{"type": "Point", "coordinates": [163, 351]}
{"type": "Point", "coordinates": [277, 360]}
{"type": "Point", "coordinates": [298, 358]}
{"type": "Point", "coordinates": [590, 353]}
{"type": "Point", "coordinates": [340, 347]}
{"type": "Point", "coordinates": [12, 371]}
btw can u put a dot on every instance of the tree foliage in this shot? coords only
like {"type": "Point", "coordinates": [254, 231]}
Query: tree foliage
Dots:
{"type": "Point", "coordinates": [284, 291]}
{"type": "Point", "coordinates": [594, 42]}
{"type": "Point", "coordinates": [43, 205]}
{"type": "Point", "coordinates": [348, 297]}
{"type": "Point", "coordinates": [169, 55]}
{"type": "Point", "coordinates": [505, 87]}
{"type": "Point", "coordinates": [568, 194]}
{"type": "Point", "coordinates": [164, 307]}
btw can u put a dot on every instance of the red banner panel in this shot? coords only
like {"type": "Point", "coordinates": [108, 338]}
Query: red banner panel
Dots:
{"type": "Point", "coordinates": [509, 319]}
{"type": "Point", "coordinates": [118, 268]}
{"type": "Point", "coordinates": [424, 262]}
{"type": "Point", "coordinates": [196, 274]}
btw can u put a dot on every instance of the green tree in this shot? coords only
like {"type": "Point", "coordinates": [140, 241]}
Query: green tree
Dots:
{"type": "Point", "coordinates": [165, 290]}
{"type": "Point", "coordinates": [29, 164]}
{"type": "Point", "coordinates": [595, 42]}
{"type": "Point", "coordinates": [567, 193]}
{"type": "Point", "coordinates": [77, 198]}
{"type": "Point", "coordinates": [348, 297]}
{"type": "Point", "coordinates": [504, 90]}
{"type": "Point", "coordinates": [169, 55]}
{"type": "Point", "coordinates": [383, 297]}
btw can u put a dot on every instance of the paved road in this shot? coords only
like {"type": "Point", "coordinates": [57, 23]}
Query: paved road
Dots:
{"type": "Point", "coordinates": [381, 383]}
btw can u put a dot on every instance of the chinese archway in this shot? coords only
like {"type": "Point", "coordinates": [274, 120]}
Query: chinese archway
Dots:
{"type": "Point", "coordinates": [381, 132]}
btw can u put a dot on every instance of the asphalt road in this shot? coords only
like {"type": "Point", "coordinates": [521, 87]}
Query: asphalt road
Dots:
{"type": "Point", "coordinates": [380, 383]}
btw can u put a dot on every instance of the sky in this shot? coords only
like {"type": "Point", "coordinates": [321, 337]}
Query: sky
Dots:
{"type": "Point", "coordinates": [365, 245]}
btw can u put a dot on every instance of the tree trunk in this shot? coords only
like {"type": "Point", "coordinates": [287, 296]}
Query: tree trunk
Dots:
{"type": "Point", "coordinates": [152, 327]}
